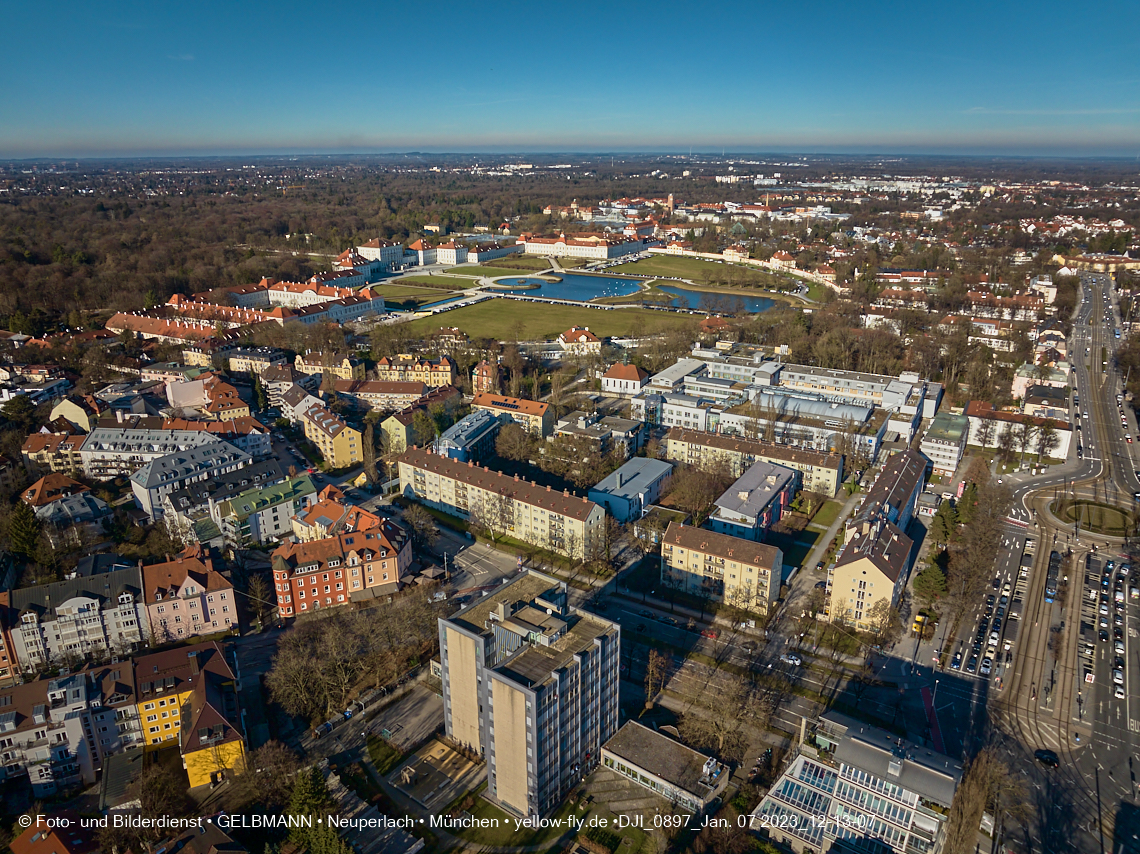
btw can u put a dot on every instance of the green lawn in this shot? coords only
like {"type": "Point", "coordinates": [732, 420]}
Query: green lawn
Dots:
{"type": "Point", "coordinates": [495, 272]}
{"type": "Point", "coordinates": [709, 273]}
{"type": "Point", "coordinates": [383, 755]}
{"type": "Point", "coordinates": [437, 282]}
{"type": "Point", "coordinates": [503, 319]}
{"type": "Point", "coordinates": [506, 834]}
{"type": "Point", "coordinates": [410, 297]}
{"type": "Point", "coordinates": [795, 548]}
{"type": "Point", "coordinates": [826, 514]}
{"type": "Point", "coordinates": [522, 262]}
{"type": "Point", "coordinates": [818, 292]}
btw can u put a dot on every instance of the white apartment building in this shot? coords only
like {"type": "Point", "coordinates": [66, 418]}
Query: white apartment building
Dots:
{"type": "Point", "coordinates": [99, 615]}
{"type": "Point", "coordinates": [116, 451]}
{"type": "Point", "coordinates": [159, 477]}
{"type": "Point", "coordinates": [945, 442]}
{"type": "Point", "coordinates": [264, 514]}
{"type": "Point", "coordinates": [58, 731]}
{"type": "Point", "coordinates": [451, 253]}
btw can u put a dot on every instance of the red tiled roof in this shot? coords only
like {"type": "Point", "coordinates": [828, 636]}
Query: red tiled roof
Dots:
{"type": "Point", "coordinates": [52, 487]}
{"type": "Point", "coordinates": [509, 404]}
{"type": "Point", "coordinates": [625, 371]}
{"type": "Point", "coordinates": [562, 503]}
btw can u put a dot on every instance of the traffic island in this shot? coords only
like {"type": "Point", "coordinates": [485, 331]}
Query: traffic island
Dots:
{"type": "Point", "coordinates": [1094, 517]}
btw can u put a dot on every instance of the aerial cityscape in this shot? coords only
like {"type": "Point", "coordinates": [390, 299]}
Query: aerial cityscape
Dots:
{"type": "Point", "coordinates": [742, 463]}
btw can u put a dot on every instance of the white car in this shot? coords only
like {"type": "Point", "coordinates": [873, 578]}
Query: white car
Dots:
{"type": "Point", "coordinates": [1118, 676]}
{"type": "Point", "coordinates": [791, 658]}
{"type": "Point", "coordinates": [1119, 692]}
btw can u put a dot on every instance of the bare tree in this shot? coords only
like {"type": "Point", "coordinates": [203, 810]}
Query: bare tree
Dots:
{"type": "Point", "coordinates": [266, 778]}
{"type": "Point", "coordinates": [985, 432]}
{"type": "Point", "coordinates": [422, 525]}
{"type": "Point", "coordinates": [656, 674]}
{"type": "Point", "coordinates": [988, 784]}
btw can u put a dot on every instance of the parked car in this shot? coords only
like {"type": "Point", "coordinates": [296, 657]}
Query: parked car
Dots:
{"type": "Point", "coordinates": [791, 658]}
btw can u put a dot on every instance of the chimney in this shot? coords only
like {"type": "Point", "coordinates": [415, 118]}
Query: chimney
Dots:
{"type": "Point", "coordinates": [618, 474]}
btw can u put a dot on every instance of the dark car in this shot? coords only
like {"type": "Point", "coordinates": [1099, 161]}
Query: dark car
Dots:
{"type": "Point", "coordinates": [1103, 636]}
{"type": "Point", "coordinates": [645, 613]}
{"type": "Point", "coordinates": [670, 621]}
{"type": "Point", "coordinates": [956, 662]}
{"type": "Point", "coordinates": [640, 627]}
{"type": "Point", "coordinates": [972, 664]}
{"type": "Point", "coordinates": [1047, 758]}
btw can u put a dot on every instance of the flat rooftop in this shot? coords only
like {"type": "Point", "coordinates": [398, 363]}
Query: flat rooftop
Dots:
{"type": "Point", "coordinates": [532, 665]}
{"type": "Point", "coordinates": [634, 477]}
{"type": "Point", "coordinates": [947, 427]}
{"type": "Point", "coordinates": [524, 588]}
{"type": "Point", "coordinates": [661, 756]}
{"type": "Point", "coordinates": [932, 775]}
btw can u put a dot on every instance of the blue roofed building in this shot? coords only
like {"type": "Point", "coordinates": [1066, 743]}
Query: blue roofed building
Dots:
{"type": "Point", "coordinates": [628, 492]}
{"type": "Point", "coordinates": [471, 438]}
{"type": "Point", "coordinates": [755, 502]}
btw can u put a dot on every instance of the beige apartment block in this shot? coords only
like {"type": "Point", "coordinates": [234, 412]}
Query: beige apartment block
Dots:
{"type": "Point", "coordinates": [537, 515]}
{"type": "Point", "coordinates": [530, 684]}
{"type": "Point", "coordinates": [740, 573]}
{"type": "Point", "coordinates": [822, 473]}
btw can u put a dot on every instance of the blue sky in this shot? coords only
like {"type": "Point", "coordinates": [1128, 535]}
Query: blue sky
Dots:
{"type": "Point", "coordinates": [158, 77]}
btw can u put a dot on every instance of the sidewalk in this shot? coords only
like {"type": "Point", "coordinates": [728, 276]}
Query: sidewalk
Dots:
{"type": "Point", "coordinates": [801, 589]}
